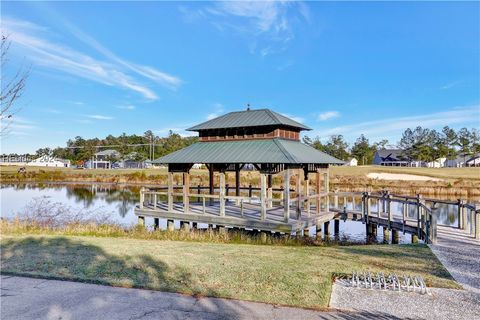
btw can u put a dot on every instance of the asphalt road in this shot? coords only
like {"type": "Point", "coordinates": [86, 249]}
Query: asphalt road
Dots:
{"type": "Point", "coordinates": [30, 298]}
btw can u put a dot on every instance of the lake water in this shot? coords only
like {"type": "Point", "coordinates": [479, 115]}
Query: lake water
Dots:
{"type": "Point", "coordinates": [118, 203]}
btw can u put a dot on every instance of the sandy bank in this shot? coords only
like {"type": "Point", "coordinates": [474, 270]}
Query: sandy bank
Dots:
{"type": "Point", "coordinates": [400, 176]}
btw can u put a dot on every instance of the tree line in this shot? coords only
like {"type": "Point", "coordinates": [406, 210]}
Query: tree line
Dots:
{"type": "Point", "coordinates": [134, 147]}
{"type": "Point", "coordinates": [421, 144]}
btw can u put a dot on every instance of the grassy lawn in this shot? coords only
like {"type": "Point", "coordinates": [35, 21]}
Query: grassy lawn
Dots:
{"type": "Point", "coordinates": [445, 173]}
{"type": "Point", "coordinates": [296, 276]}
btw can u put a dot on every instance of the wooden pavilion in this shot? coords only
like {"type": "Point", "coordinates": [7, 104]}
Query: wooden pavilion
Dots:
{"type": "Point", "coordinates": [271, 143]}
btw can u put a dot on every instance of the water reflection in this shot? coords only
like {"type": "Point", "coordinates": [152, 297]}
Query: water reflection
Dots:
{"type": "Point", "coordinates": [121, 199]}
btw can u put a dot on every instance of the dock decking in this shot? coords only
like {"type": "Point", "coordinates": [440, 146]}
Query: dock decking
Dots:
{"type": "Point", "coordinates": [302, 213]}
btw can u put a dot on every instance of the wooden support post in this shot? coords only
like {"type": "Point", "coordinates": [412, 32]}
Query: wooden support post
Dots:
{"type": "Point", "coordinates": [395, 236]}
{"type": "Point", "coordinates": [433, 223]}
{"type": "Point", "coordinates": [211, 184]}
{"type": "Point", "coordinates": [263, 237]}
{"type": "Point", "coordinates": [414, 238]}
{"type": "Point", "coordinates": [318, 230]}
{"type": "Point", "coordinates": [221, 229]}
{"type": "Point", "coordinates": [263, 196]}
{"type": "Point", "coordinates": [476, 215]}
{"type": "Point", "coordinates": [185, 226]}
{"type": "Point", "coordinates": [298, 189]}
{"type": "Point", "coordinates": [142, 197]}
{"type": "Point", "coordinates": [237, 180]}
{"type": "Point", "coordinates": [389, 210]}
{"type": "Point", "coordinates": [194, 225]}
{"type": "Point", "coordinates": [141, 221]}
{"type": "Point", "coordinates": [464, 215]}
{"type": "Point", "coordinates": [269, 191]}
{"type": "Point", "coordinates": [306, 192]}
{"type": "Point", "coordinates": [326, 185]}
{"type": "Point", "coordinates": [199, 191]}
{"type": "Point", "coordinates": [318, 203]}
{"type": "Point", "coordinates": [374, 230]}
{"type": "Point", "coordinates": [286, 196]}
{"type": "Point", "coordinates": [170, 191]}
{"type": "Point", "coordinates": [306, 232]}
{"type": "Point", "coordinates": [386, 235]}
{"type": "Point", "coordinates": [419, 216]}
{"type": "Point", "coordinates": [368, 205]}
{"type": "Point", "coordinates": [156, 223]}
{"type": "Point", "coordinates": [154, 201]}
{"type": "Point", "coordinates": [222, 194]}
{"type": "Point", "coordinates": [336, 228]}
{"type": "Point", "coordinates": [335, 199]}
{"type": "Point", "coordinates": [170, 225]}
{"type": "Point", "coordinates": [326, 230]}
{"type": "Point", "coordinates": [186, 192]}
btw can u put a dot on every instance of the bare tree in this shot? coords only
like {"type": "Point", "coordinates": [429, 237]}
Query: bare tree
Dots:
{"type": "Point", "coordinates": [12, 88]}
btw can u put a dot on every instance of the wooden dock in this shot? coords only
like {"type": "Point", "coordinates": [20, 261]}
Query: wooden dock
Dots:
{"type": "Point", "coordinates": [414, 215]}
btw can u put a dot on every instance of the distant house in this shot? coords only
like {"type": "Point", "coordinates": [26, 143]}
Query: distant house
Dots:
{"type": "Point", "coordinates": [473, 161]}
{"type": "Point", "coordinates": [439, 163]}
{"type": "Point", "coordinates": [103, 159]}
{"type": "Point", "coordinates": [47, 161]}
{"type": "Point", "coordinates": [393, 157]}
{"type": "Point", "coordinates": [458, 162]}
{"type": "Point", "coordinates": [351, 162]}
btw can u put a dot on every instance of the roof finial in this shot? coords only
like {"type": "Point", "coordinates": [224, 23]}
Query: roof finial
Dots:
{"type": "Point", "coordinates": [248, 106]}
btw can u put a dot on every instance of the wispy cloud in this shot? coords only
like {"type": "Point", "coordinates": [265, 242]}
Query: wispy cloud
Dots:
{"type": "Point", "coordinates": [219, 109]}
{"type": "Point", "coordinates": [126, 107]}
{"type": "Point", "coordinates": [99, 117]}
{"type": "Point", "coordinates": [328, 115]}
{"type": "Point", "coordinates": [267, 23]}
{"type": "Point", "coordinates": [296, 118]}
{"type": "Point", "coordinates": [113, 71]}
{"type": "Point", "coordinates": [394, 126]}
{"type": "Point", "coordinates": [450, 85]}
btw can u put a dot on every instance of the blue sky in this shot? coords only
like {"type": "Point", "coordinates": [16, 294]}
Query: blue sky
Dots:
{"type": "Point", "coordinates": [376, 68]}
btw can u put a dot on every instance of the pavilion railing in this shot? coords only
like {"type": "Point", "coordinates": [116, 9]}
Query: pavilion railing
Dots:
{"type": "Point", "coordinates": [301, 204]}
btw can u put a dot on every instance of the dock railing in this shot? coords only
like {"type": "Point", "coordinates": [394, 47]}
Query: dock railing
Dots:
{"type": "Point", "coordinates": [273, 199]}
{"type": "Point", "coordinates": [425, 213]}
{"type": "Point", "coordinates": [412, 214]}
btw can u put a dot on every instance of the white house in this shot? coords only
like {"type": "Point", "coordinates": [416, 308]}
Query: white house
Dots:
{"type": "Point", "coordinates": [351, 162]}
{"type": "Point", "coordinates": [47, 161]}
{"type": "Point", "coordinates": [439, 163]}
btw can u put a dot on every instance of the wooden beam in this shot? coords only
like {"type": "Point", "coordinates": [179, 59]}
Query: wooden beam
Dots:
{"type": "Point", "coordinates": [170, 191]}
{"type": "Point", "coordinates": [237, 180]}
{"type": "Point", "coordinates": [263, 196]}
{"type": "Point", "coordinates": [186, 192]}
{"type": "Point", "coordinates": [327, 188]}
{"type": "Point", "coordinates": [298, 189]}
{"type": "Point", "coordinates": [286, 196]}
{"type": "Point", "coordinates": [222, 194]}
{"type": "Point", "coordinates": [269, 191]}
{"type": "Point", "coordinates": [318, 191]}
{"type": "Point", "coordinates": [211, 182]}
{"type": "Point", "coordinates": [306, 192]}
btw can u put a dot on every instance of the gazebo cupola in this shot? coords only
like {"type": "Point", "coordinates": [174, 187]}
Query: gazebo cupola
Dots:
{"type": "Point", "coordinates": [249, 125]}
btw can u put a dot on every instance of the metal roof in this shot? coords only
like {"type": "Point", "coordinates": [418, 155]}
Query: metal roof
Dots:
{"type": "Point", "coordinates": [392, 155]}
{"type": "Point", "coordinates": [249, 151]}
{"type": "Point", "coordinates": [249, 118]}
{"type": "Point", "coordinates": [108, 152]}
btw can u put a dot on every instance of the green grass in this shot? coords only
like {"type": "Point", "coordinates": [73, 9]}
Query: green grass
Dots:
{"type": "Point", "coordinates": [445, 173]}
{"type": "Point", "coordinates": [295, 276]}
